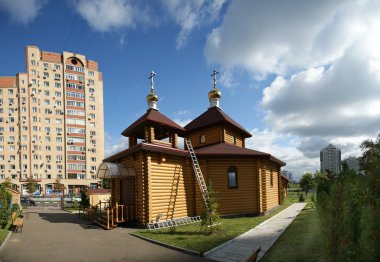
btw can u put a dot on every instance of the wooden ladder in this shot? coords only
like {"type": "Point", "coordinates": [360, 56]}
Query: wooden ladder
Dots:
{"type": "Point", "coordinates": [198, 174]}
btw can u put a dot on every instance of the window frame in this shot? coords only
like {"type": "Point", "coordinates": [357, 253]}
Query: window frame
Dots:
{"type": "Point", "coordinates": [230, 170]}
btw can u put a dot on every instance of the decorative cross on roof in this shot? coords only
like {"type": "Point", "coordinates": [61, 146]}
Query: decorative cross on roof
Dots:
{"type": "Point", "coordinates": [152, 74]}
{"type": "Point", "coordinates": [214, 73]}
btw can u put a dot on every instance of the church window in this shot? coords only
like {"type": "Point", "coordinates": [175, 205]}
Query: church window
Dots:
{"type": "Point", "coordinates": [202, 139]}
{"type": "Point", "coordinates": [232, 177]}
{"type": "Point", "coordinates": [234, 139]}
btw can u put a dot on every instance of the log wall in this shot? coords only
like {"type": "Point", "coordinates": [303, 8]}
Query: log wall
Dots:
{"type": "Point", "coordinates": [240, 200]}
{"type": "Point", "coordinates": [229, 133]}
{"type": "Point", "coordinates": [171, 187]}
{"type": "Point", "coordinates": [213, 135]}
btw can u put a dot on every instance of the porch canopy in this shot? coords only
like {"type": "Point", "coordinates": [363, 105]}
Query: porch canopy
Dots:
{"type": "Point", "coordinates": [114, 170]}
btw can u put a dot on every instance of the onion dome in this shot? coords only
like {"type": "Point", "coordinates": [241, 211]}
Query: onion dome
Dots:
{"type": "Point", "coordinates": [214, 93]}
{"type": "Point", "coordinates": [152, 97]}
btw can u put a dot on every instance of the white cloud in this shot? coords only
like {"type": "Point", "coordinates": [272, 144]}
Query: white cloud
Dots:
{"type": "Point", "coordinates": [325, 58]}
{"type": "Point", "coordinates": [114, 145]}
{"type": "Point", "coordinates": [277, 36]}
{"type": "Point", "coordinates": [191, 14]}
{"type": "Point", "coordinates": [23, 11]}
{"type": "Point", "coordinates": [110, 15]}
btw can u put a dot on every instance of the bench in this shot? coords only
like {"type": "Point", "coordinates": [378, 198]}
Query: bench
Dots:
{"type": "Point", "coordinates": [17, 222]}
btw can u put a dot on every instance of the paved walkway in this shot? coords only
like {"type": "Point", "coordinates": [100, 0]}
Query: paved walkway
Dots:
{"type": "Point", "coordinates": [54, 235]}
{"type": "Point", "coordinates": [263, 235]}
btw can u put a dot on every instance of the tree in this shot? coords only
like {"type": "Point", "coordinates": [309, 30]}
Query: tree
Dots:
{"type": "Point", "coordinates": [307, 182]}
{"type": "Point", "coordinates": [370, 163]}
{"type": "Point", "coordinates": [210, 216]}
{"type": "Point", "coordinates": [106, 183]}
{"type": "Point", "coordinates": [7, 183]}
{"type": "Point", "coordinates": [85, 201]}
{"type": "Point", "coordinates": [59, 186]}
{"type": "Point", "coordinates": [31, 185]}
{"type": "Point", "coordinates": [5, 212]}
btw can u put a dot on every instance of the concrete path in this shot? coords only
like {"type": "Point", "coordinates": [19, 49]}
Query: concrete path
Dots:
{"type": "Point", "coordinates": [54, 235]}
{"type": "Point", "coordinates": [263, 235]}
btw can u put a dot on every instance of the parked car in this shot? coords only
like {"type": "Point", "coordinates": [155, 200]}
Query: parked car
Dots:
{"type": "Point", "coordinates": [73, 197]}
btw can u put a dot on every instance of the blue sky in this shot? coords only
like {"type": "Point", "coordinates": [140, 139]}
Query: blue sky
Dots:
{"type": "Point", "coordinates": [297, 75]}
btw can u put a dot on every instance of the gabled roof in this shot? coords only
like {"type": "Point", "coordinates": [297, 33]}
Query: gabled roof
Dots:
{"type": "Point", "coordinates": [153, 117]}
{"type": "Point", "coordinates": [212, 116]}
{"type": "Point", "coordinates": [228, 150]}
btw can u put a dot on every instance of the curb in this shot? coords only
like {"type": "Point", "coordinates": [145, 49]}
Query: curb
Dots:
{"type": "Point", "coordinates": [181, 249]}
{"type": "Point", "coordinates": [5, 240]}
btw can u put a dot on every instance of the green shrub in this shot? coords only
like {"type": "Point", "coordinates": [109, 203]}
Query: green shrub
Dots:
{"type": "Point", "coordinates": [301, 198]}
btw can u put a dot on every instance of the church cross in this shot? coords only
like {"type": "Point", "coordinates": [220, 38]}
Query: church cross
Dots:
{"type": "Point", "coordinates": [214, 73]}
{"type": "Point", "coordinates": [152, 74]}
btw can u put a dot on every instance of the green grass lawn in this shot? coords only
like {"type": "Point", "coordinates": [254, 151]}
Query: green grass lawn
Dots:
{"type": "Point", "coordinates": [4, 233]}
{"type": "Point", "coordinates": [302, 240]}
{"type": "Point", "coordinates": [191, 237]}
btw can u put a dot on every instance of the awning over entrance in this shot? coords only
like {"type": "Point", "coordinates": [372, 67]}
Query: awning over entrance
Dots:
{"type": "Point", "coordinates": [114, 170]}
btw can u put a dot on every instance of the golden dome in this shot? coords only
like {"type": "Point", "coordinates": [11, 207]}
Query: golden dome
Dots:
{"type": "Point", "coordinates": [214, 93]}
{"type": "Point", "coordinates": [152, 97]}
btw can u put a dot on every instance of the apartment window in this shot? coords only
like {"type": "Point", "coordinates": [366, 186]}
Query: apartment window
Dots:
{"type": "Point", "coordinates": [92, 124]}
{"type": "Point", "coordinates": [24, 128]}
{"type": "Point", "coordinates": [46, 65]}
{"type": "Point", "coordinates": [23, 109]}
{"type": "Point", "coordinates": [46, 74]}
{"type": "Point", "coordinates": [34, 81]}
{"type": "Point", "coordinates": [93, 168]}
{"type": "Point", "coordinates": [10, 101]}
{"type": "Point", "coordinates": [32, 62]}
{"type": "Point", "coordinates": [91, 82]}
{"type": "Point", "coordinates": [24, 138]}
{"type": "Point", "coordinates": [93, 141]}
{"type": "Point", "coordinates": [34, 100]}
{"type": "Point", "coordinates": [93, 159]}
{"type": "Point", "coordinates": [58, 130]}
{"type": "Point", "coordinates": [25, 157]}
{"type": "Point", "coordinates": [57, 94]}
{"type": "Point", "coordinates": [10, 91]}
{"type": "Point", "coordinates": [57, 76]}
{"type": "Point", "coordinates": [47, 129]}
{"type": "Point", "coordinates": [35, 157]}
{"type": "Point", "coordinates": [11, 129]}
{"type": "Point", "coordinates": [59, 148]}
{"type": "Point", "coordinates": [12, 157]}
{"type": "Point", "coordinates": [24, 147]}
{"type": "Point", "coordinates": [47, 120]}
{"type": "Point", "coordinates": [58, 139]}
{"type": "Point", "coordinates": [2, 157]}
{"type": "Point", "coordinates": [59, 158]}
{"type": "Point", "coordinates": [58, 121]}
{"type": "Point", "coordinates": [47, 139]}
{"type": "Point", "coordinates": [232, 177]}
{"type": "Point", "coordinates": [46, 93]}
{"type": "Point", "coordinates": [48, 176]}
{"type": "Point", "coordinates": [11, 119]}
{"type": "Point", "coordinates": [1, 120]}
{"type": "Point", "coordinates": [92, 99]}
{"type": "Point", "coordinates": [92, 133]}
{"type": "Point", "coordinates": [91, 73]}
{"type": "Point", "coordinates": [33, 72]}
{"type": "Point", "coordinates": [74, 68]}
{"type": "Point", "coordinates": [46, 102]}
{"type": "Point", "coordinates": [47, 148]}
{"type": "Point", "coordinates": [35, 128]}
{"type": "Point", "coordinates": [12, 148]}
{"type": "Point", "coordinates": [92, 107]}
{"type": "Point", "coordinates": [34, 119]}
{"type": "Point", "coordinates": [59, 167]}
{"type": "Point", "coordinates": [35, 166]}
{"type": "Point", "coordinates": [59, 176]}
{"type": "Point", "coordinates": [58, 112]}
{"type": "Point", "coordinates": [92, 116]}
{"type": "Point", "coordinates": [57, 67]}
{"type": "Point", "coordinates": [57, 85]}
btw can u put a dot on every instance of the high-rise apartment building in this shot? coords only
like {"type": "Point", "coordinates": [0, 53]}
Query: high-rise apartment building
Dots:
{"type": "Point", "coordinates": [51, 122]}
{"type": "Point", "coordinates": [353, 163]}
{"type": "Point", "coordinates": [330, 159]}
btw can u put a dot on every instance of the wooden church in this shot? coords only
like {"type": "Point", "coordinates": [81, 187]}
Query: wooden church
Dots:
{"type": "Point", "coordinates": [154, 178]}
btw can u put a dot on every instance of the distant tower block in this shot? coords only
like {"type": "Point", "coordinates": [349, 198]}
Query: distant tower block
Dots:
{"type": "Point", "coordinates": [214, 95]}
